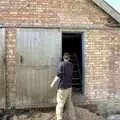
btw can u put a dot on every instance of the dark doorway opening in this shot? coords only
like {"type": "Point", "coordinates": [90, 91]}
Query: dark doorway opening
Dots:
{"type": "Point", "coordinates": [72, 43]}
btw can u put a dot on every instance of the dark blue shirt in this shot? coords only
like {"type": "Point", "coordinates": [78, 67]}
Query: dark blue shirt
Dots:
{"type": "Point", "coordinates": [64, 72]}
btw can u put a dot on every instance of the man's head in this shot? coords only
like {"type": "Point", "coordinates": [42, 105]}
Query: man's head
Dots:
{"type": "Point", "coordinates": [66, 56]}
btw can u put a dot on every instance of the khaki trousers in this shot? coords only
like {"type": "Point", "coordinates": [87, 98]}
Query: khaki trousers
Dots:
{"type": "Point", "coordinates": [64, 100]}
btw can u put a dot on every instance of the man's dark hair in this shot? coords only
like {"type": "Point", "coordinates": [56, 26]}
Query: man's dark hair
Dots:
{"type": "Point", "coordinates": [66, 56]}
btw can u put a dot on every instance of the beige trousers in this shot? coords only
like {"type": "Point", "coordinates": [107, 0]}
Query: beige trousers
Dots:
{"type": "Point", "coordinates": [64, 100]}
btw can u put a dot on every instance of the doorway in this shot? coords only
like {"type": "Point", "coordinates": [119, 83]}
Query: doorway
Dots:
{"type": "Point", "coordinates": [72, 43]}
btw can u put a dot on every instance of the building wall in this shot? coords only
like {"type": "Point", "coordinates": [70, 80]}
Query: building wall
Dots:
{"type": "Point", "coordinates": [10, 49]}
{"type": "Point", "coordinates": [102, 69]}
{"type": "Point", "coordinates": [102, 63]}
{"type": "Point", "coordinates": [100, 45]}
{"type": "Point", "coordinates": [51, 12]}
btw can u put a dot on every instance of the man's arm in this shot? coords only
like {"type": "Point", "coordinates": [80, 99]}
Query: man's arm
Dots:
{"type": "Point", "coordinates": [54, 81]}
{"type": "Point", "coordinates": [59, 74]}
{"type": "Point", "coordinates": [60, 70]}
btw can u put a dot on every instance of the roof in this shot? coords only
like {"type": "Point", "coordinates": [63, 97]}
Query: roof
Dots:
{"type": "Point", "coordinates": [115, 4]}
{"type": "Point", "coordinates": [108, 9]}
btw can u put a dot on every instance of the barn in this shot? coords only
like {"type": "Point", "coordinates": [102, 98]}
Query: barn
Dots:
{"type": "Point", "coordinates": [35, 33]}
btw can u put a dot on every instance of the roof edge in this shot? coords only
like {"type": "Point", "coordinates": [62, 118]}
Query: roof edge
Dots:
{"type": "Point", "coordinates": [108, 9]}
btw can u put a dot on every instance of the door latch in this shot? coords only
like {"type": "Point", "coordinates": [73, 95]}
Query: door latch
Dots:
{"type": "Point", "coordinates": [21, 59]}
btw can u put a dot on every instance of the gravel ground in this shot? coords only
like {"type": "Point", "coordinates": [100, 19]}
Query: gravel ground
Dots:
{"type": "Point", "coordinates": [113, 117]}
{"type": "Point", "coordinates": [82, 114]}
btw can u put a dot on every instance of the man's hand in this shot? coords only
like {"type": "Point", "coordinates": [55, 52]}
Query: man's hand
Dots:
{"type": "Point", "coordinates": [51, 85]}
{"type": "Point", "coordinates": [54, 81]}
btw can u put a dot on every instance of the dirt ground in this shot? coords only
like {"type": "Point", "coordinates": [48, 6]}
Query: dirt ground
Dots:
{"type": "Point", "coordinates": [82, 114]}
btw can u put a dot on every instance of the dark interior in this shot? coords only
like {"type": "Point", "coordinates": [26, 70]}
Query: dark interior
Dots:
{"type": "Point", "coordinates": [72, 43]}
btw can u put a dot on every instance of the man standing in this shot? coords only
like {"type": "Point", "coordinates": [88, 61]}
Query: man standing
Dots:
{"type": "Point", "coordinates": [64, 92]}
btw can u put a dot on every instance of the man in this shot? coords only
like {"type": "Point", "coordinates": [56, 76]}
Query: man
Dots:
{"type": "Point", "coordinates": [64, 92]}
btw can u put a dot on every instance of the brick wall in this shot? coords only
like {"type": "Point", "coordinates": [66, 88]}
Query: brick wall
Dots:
{"type": "Point", "coordinates": [102, 63]}
{"type": "Point", "coordinates": [102, 69]}
{"type": "Point", "coordinates": [51, 12]}
{"type": "Point", "coordinates": [10, 34]}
